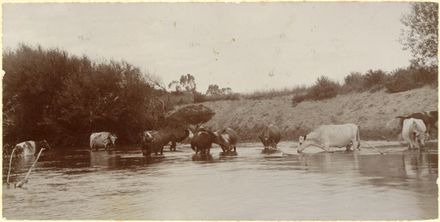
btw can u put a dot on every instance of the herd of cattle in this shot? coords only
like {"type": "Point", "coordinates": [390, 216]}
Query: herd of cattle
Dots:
{"type": "Point", "coordinates": [414, 129]}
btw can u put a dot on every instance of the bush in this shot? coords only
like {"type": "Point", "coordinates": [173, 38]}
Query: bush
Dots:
{"type": "Point", "coordinates": [374, 80]}
{"type": "Point", "coordinates": [401, 80]}
{"type": "Point", "coordinates": [297, 98]}
{"type": "Point", "coordinates": [324, 88]}
{"type": "Point", "coordinates": [354, 82]}
{"type": "Point", "coordinates": [198, 97]}
{"type": "Point", "coordinates": [271, 93]}
{"type": "Point", "coordinates": [410, 78]}
{"type": "Point", "coordinates": [49, 94]}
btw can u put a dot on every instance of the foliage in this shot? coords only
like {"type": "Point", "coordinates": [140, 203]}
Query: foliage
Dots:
{"type": "Point", "coordinates": [186, 83]}
{"type": "Point", "coordinates": [421, 33]}
{"type": "Point", "coordinates": [374, 80]}
{"type": "Point", "coordinates": [324, 88]}
{"type": "Point", "coordinates": [191, 114]}
{"type": "Point", "coordinates": [410, 78]}
{"type": "Point", "coordinates": [355, 81]}
{"type": "Point", "coordinates": [214, 90]}
{"type": "Point", "coordinates": [52, 95]}
{"type": "Point", "coordinates": [270, 93]}
{"type": "Point", "coordinates": [199, 98]}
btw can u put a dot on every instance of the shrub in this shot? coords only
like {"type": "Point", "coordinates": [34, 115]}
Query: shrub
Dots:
{"type": "Point", "coordinates": [410, 78]}
{"type": "Point", "coordinates": [49, 94]}
{"type": "Point", "coordinates": [297, 98]}
{"type": "Point", "coordinates": [354, 82]}
{"type": "Point", "coordinates": [271, 93]}
{"type": "Point", "coordinates": [324, 88]}
{"type": "Point", "coordinates": [198, 97]}
{"type": "Point", "coordinates": [374, 80]}
{"type": "Point", "coordinates": [400, 80]}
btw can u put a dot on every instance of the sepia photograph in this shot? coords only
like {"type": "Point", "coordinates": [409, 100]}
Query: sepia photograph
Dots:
{"type": "Point", "coordinates": [293, 110]}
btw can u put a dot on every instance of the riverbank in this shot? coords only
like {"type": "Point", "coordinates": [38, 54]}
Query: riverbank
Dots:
{"type": "Point", "coordinates": [371, 111]}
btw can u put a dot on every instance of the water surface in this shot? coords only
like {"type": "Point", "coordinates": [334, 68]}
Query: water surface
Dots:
{"type": "Point", "coordinates": [121, 184]}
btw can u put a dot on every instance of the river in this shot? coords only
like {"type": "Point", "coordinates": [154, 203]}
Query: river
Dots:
{"type": "Point", "coordinates": [121, 184]}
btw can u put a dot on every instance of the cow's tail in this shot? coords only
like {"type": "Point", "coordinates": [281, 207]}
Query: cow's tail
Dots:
{"type": "Point", "coordinates": [358, 138]}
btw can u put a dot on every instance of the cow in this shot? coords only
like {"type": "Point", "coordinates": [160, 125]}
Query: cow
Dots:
{"type": "Point", "coordinates": [270, 136]}
{"type": "Point", "coordinates": [178, 136]}
{"type": "Point", "coordinates": [102, 139]}
{"type": "Point", "coordinates": [154, 141]}
{"type": "Point", "coordinates": [202, 141]}
{"type": "Point", "coordinates": [31, 147]}
{"type": "Point", "coordinates": [227, 139]}
{"type": "Point", "coordinates": [326, 136]}
{"type": "Point", "coordinates": [414, 132]}
{"type": "Point", "coordinates": [429, 118]}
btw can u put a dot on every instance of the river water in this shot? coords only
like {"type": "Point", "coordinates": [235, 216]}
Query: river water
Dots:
{"type": "Point", "coordinates": [121, 184]}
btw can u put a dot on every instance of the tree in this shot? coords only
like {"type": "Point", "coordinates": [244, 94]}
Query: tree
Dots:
{"type": "Point", "coordinates": [186, 83]}
{"type": "Point", "coordinates": [49, 94]}
{"type": "Point", "coordinates": [213, 90]}
{"type": "Point", "coordinates": [421, 33]}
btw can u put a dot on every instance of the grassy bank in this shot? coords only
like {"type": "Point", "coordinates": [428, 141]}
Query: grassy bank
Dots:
{"type": "Point", "coordinates": [370, 110]}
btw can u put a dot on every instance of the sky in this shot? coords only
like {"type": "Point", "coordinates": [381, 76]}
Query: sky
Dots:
{"type": "Point", "coordinates": [247, 46]}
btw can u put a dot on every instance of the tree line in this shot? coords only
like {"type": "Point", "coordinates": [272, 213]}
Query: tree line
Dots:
{"type": "Point", "coordinates": [49, 94]}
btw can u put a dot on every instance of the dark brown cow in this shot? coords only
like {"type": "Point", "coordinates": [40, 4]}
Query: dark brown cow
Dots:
{"type": "Point", "coordinates": [202, 141]}
{"type": "Point", "coordinates": [270, 136]}
{"type": "Point", "coordinates": [154, 141]}
{"type": "Point", "coordinates": [227, 139]}
{"type": "Point", "coordinates": [178, 136]}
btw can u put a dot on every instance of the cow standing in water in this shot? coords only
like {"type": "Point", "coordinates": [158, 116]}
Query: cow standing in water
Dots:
{"type": "Point", "coordinates": [202, 141]}
{"type": "Point", "coordinates": [227, 139]}
{"type": "Point", "coordinates": [154, 141]}
{"type": "Point", "coordinates": [31, 147]}
{"type": "Point", "coordinates": [270, 136]}
{"type": "Point", "coordinates": [429, 118]}
{"type": "Point", "coordinates": [179, 135]}
{"type": "Point", "coordinates": [414, 132]}
{"type": "Point", "coordinates": [326, 136]}
{"type": "Point", "coordinates": [102, 139]}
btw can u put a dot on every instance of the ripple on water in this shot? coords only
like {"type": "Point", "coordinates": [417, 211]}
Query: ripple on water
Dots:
{"type": "Point", "coordinates": [122, 184]}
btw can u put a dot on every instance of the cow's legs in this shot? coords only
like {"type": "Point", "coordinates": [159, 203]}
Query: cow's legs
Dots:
{"type": "Point", "coordinates": [223, 148]}
{"type": "Point", "coordinates": [326, 147]}
{"type": "Point", "coordinates": [235, 148]}
{"type": "Point", "coordinates": [173, 146]}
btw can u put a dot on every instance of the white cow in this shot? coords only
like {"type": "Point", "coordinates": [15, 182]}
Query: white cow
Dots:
{"type": "Point", "coordinates": [414, 132]}
{"type": "Point", "coordinates": [102, 139]}
{"type": "Point", "coordinates": [31, 147]}
{"type": "Point", "coordinates": [326, 136]}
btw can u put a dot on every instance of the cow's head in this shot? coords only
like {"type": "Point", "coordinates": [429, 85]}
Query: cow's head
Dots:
{"type": "Point", "coordinates": [222, 139]}
{"type": "Point", "coordinates": [113, 138]}
{"type": "Point", "coordinates": [265, 140]}
{"type": "Point", "coordinates": [301, 145]}
{"type": "Point", "coordinates": [421, 137]}
{"type": "Point", "coordinates": [43, 144]}
{"type": "Point", "coordinates": [189, 133]}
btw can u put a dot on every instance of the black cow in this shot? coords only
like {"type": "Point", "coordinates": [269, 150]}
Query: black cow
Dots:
{"type": "Point", "coordinates": [202, 141]}
{"type": "Point", "coordinates": [270, 136]}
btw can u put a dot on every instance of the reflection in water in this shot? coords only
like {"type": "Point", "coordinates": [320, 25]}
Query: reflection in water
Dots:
{"type": "Point", "coordinates": [122, 184]}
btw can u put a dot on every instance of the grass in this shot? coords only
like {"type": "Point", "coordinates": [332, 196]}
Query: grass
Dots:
{"type": "Point", "coordinates": [271, 93]}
